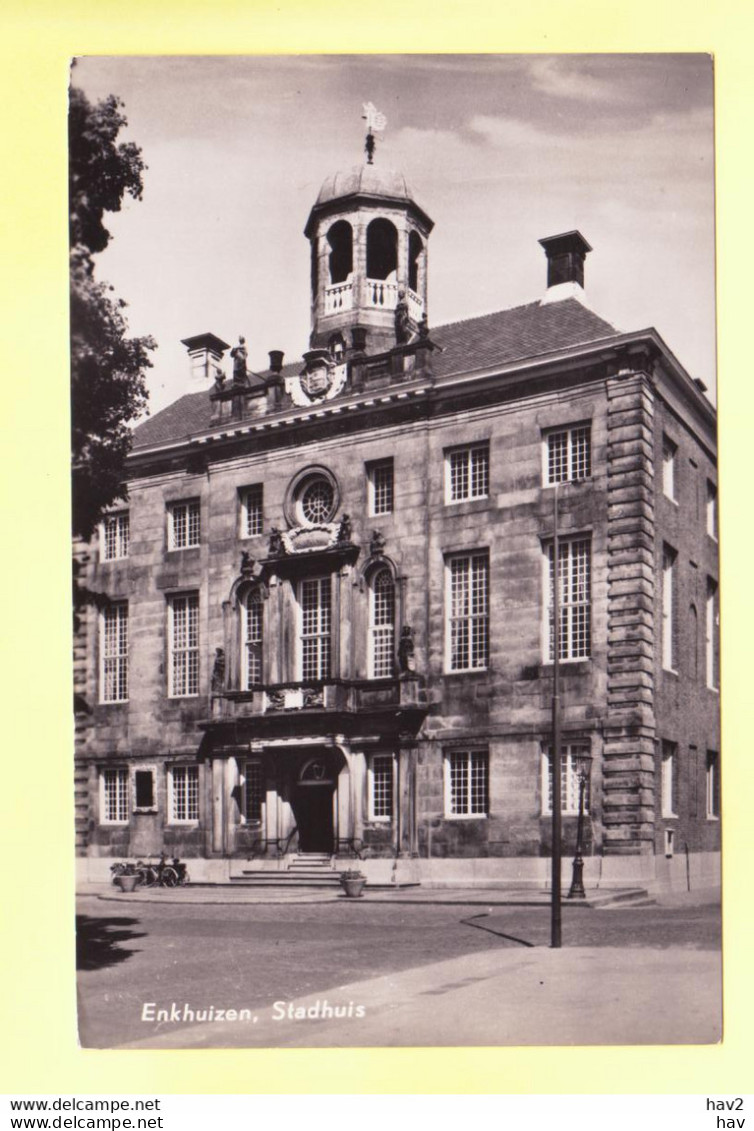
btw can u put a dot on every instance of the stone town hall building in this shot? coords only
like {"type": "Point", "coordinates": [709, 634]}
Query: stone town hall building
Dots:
{"type": "Point", "coordinates": [330, 590]}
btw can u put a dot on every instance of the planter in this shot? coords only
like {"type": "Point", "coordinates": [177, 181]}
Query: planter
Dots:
{"type": "Point", "coordinates": [353, 886]}
{"type": "Point", "coordinates": [127, 883]}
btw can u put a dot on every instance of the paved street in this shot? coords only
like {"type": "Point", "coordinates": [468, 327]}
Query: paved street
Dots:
{"type": "Point", "coordinates": [398, 974]}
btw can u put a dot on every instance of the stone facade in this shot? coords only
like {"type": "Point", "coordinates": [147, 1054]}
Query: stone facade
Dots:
{"type": "Point", "coordinates": [364, 668]}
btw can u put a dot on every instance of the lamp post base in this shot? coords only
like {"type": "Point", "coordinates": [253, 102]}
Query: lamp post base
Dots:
{"type": "Point", "coordinates": [577, 883]}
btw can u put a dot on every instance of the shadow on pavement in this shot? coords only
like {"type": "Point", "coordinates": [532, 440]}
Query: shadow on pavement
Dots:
{"type": "Point", "coordinates": [98, 941]}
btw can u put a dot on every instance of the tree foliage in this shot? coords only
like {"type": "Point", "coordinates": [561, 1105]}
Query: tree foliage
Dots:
{"type": "Point", "coordinates": [108, 367]}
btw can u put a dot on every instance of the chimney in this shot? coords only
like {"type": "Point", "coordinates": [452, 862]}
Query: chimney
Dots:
{"type": "Point", "coordinates": [565, 265]}
{"type": "Point", "coordinates": [205, 353]}
{"type": "Point", "coordinates": [276, 361]}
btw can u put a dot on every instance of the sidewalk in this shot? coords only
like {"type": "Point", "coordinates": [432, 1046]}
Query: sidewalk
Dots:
{"type": "Point", "coordinates": [604, 898]}
{"type": "Point", "coordinates": [578, 996]}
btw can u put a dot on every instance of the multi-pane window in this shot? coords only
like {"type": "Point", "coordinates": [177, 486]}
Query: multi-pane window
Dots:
{"type": "Point", "coordinates": [380, 480]}
{"type": "Point", "coordinates": [669, 778]}
{"type": "Point", "coordinates": [574, 599]}
{"type": "Point", "coordinates": [669, 455]}
{"type": "Point", "coordinates": [381, 624]}
{"type": "Point", "coordinates": [314, 600]}
{"type": "Point", "coordinates": [115, 536]}
{"type": "Point", "coordinates": [572, 764]}
{"type": "Point", "coordinates": [253, 791]}
{"type": "Point", "coordinates": [184, 793]}
{"type": "Point", "coordinates": [669, 557]}
{"type": "Point", "coordinates": [467, 473]}
{"type": "Point", "coordinates": [114, 795]}
{"type": "Point", "coordinates": [184, 644]}
{"type": "Point", "coordinates": [712, 648]}
{"type": "Point", "coordinates": [252, 513]}
{"type": "Point", "coordinates": [712, 786]}
{"type": "Point", "coordinates": [252, 639]}
{"type": "Point", "coordinates": [467, 611]}
{"type": "Point", "coordinates": [381, 787]}
{"type": "Point", "coordinates": [568, 454]}
{"type": "Point", "coordinates": [711, 509]}
{"type": "Point", "coordinates": [317, 501]}
{"type": "Point", "coordinates": [184, 524]}
{"type": "Point", "coordinates": [114, 653]}
{"type": "Point", "coordinates": [466, 778]}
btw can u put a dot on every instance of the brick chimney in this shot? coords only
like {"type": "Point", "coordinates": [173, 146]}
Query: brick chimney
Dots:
{"type": "Point", "coordinates": [565, 265]}
{"type": "Point", "coordinates": [205, 352]}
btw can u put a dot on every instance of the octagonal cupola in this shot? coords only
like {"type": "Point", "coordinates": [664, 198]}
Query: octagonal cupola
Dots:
{"type": "Point", "coordinates": [368, 241]}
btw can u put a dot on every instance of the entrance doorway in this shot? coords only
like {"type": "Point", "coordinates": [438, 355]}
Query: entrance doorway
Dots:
{"type": "Point", "coordinates": [313, 807]}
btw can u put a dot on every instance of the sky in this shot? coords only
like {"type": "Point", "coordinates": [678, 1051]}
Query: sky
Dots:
{"type": "Point", "coordinates": [500, 150]}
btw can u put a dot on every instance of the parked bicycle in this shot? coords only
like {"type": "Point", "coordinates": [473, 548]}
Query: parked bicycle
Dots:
{"type": "Point", "coordinates": [162, 874]}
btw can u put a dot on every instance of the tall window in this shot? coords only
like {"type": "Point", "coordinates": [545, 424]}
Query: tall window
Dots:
{"type": "Point", "coordinates": [252, 639]}
{"type": "Point", "coordinates": [467, 473]}
{"type": "Point", "coordinates": [669, 557]}
{"type": "Point", "coordinates": [252, 515]}
{"type": "Point", "coordinates": [381, 624]}
{"type": "Point", "coordinates": [253, 791]}
{"type": "Point", "coordinates": [712, 647]}
{"type": "Point", "coordinates": [571, 762]}
{"type": "Point", "coordinates": [380, 481]}
{"type": "Point", "coordinates": [712, 786]}
{"type": "Point", "coordinates": [467, 611]}
{"type": "Point", "coordinates": [466, 783]}
{"type": "Point", "coordinates": [115, 536]}
{"type": "Point", "coordinates": [183, 630]}
{"type": "Point", "coordinates": [114, 653]}
{"type": "Point", "coordinates": [314, 599]}
{"type": "Point", "coordinates": [669, 778]}
{"type": "Point", "coordinates": [711, 509]}
{"type": "Point", "coordinates": [380, 787]}
{"type": "Point", "coordinates": [568, 454]}
{"type": "Point", "coordinates": [574, 599]}
{"type": "Point", "coordinates": [144, 789]}
{"type": "Point", "coordinates": [184, 524]}
{"type": "Point", "coordinates": [184, 794]}
{"type": "Point", "coordinates": [114, 796]}
{"type": "Point", "coordinates": [669, 456]}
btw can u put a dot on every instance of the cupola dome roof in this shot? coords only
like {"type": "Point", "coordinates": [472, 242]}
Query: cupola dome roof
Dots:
{"type": "Point", "coordinates": [369, 180]}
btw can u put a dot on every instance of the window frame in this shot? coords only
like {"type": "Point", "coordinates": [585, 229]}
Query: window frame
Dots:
{"type": "Point", "coordinates": [711, 636]}
{"type": "Point", "coordinates": [668, 779]}
{"type": "Point", "coordinates": [190, 771]}
{"type": "Point", "coordinates": [189, 595]}
{"type": "Point", "coordinates": [669, 468]}
{"type": "Point", "coordinates": [122, 521]}
{"type": "Point", "coordinates": [571, 453]}
{"type": "Point", "coordinates": [469, 451]}
{"type": "Point", "coordinates": [669, 609]}
{"type": "Point", "coordinates": [470, 618]}
{"type": "Point", "coordinates": [324, 670]}
{"type": "Point", "coordinates": [711, 510]}
{"type": "Point", "coordinates": [472, 755]}
{"type": "Point", "coordinates": [712, 785]}
{"type": "Point", "coordinates": [121, 656]}
{"type": "Point", "coordinates": [378, 631]}
{"type": "Point", "coordinates": [374, 469]}
{"type": "Point", "coordinates": [257, 821]}
{"type": "Point", "coordinates": [152, 771]}
{"type": "Point", "coordinates": [571, 753]}
{"type": "Point", "coordinates": [193, 524]}
{"type": "Point", "coordinates": [575, 616]}
{"type": "Point", "coordinates": [251, 647]}
{"type": "Point", "coordinates": [122, 795]}
{"type": "Point", "coordinates": [249, 510]}
{"type": "Point", "coordinates": [372, 814]}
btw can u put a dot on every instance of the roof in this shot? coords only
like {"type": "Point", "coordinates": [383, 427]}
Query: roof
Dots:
{"type": "Point", "coordinates": [507, 336]}
{"type": "Point", "coordinates": [371, 180]}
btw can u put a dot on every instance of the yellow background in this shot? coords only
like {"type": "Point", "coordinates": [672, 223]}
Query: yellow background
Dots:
{"type": "Point", "coordinates": [38, 1034]}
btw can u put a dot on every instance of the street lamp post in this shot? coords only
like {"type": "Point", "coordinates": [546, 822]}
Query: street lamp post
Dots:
{"type": "Point", "coordinates": [577, 883]}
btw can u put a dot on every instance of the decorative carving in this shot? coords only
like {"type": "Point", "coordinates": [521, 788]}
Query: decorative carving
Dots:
{"type": "Point", "coordinates": [277, 546]}
{"type": "Point", "coordinates": [219, 378]}
{"type": "Point", "coordinates": [377, 544]}
{"type": "Point", "coordinates": [247, 563]}
{"type": "Point", "coordinates": [239, 354]}
{"type": "Point", "coordinates": [344, 531]}
{"type": "Point", "coordinates": [275, 700]}
{"type": "Point", "coordinates": [313, 697]}
{"type": "Point", "coordinates": [406, 660]}
{"type": "Point", "coordinates": [218, 671]}
{"type": "Point", "coordinates": [402, 321]}
{"type": "Point", "coordinates": [424, 328]}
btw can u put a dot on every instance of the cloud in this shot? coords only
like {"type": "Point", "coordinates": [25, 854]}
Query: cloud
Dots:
{"type": "Point", "coordinates": [557, 77]}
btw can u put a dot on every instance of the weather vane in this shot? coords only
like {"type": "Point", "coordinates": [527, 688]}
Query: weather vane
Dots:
{"type": "Point", "coordinates": [376, 123]}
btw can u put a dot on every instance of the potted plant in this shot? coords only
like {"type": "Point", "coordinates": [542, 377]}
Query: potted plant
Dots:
{"type": "Point", "coordinates": [353, 882]}
{"type": "Point", "coordinates": [128, 878]}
